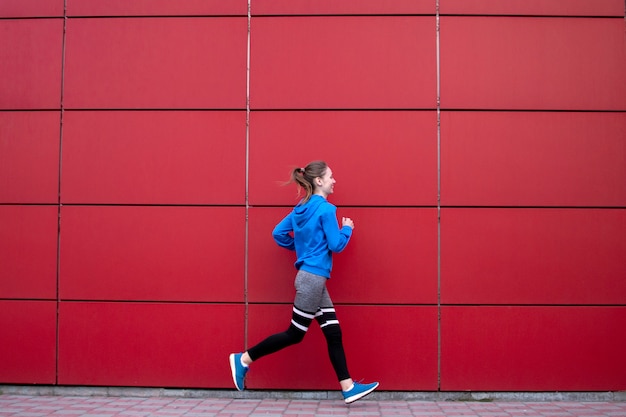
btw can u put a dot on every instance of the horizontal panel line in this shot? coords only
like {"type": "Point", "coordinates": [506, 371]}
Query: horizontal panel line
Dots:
{"type": "Point", "coordinates": [253, 16]}
{"type": "Point", "coordinates": [538, 16]}
{"type": "Point", "coordinates": [317, 15]}
{"type": "Point", "coordinates": [260, 303]}
{"type": "Point", "coordinates": [156, 109]}
{"type": "Point", "coordinates": [281, 206]}
{"type": "Point", "coordinates": [532, 305]}
{"type": "Point", "coordinates": [151, 205]}
{"type": "Point", "coordinates": [347, 304]}
{"type": "Point", "coordinates": [212, 109]}
{"type": "Point", "coordinates": [217, 109]}
{"type": "Point", "coordinates": [425, 109]}
{"type": "Point", "coordinates": [340, 15]}
{"type": "Point", "coordinates": [539, 207]}
{"type": "Point", "coordinates": [435, 305]}
{"type": "Point", "coordinates": [344, 109]}
{"type": "Point", "coordinates": [130, 301]}
{"type": "Point", "coordinates": [162, 109]}
{"type": "Point", "coordinates": [59, 17]}
{"type": "Point", "coordinates": [348, 206]}
{"type": "Point", "coordinates": [211, 16]}
{"type": "Point", "coordinates": [458, 207]}
{"type": "Point", "coordinates": [329, 109]}
{"type": "Point", "coordinates": [493, 110]}
{"type": "Point", "coordinates": [51, 204]}
{"type": "Point", "coordinates": [43, 110]}
{"type": "Point", "coordinates": [160, 16]}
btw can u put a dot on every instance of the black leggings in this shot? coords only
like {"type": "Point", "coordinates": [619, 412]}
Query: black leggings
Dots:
{"type": "Point", "coordinates": [310, 289]}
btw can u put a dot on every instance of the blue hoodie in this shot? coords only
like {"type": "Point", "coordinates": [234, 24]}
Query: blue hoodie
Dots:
{"type": "Point", "coordinates": [316, 235]}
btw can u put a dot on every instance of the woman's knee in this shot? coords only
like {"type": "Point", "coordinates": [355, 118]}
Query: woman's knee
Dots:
{"type": "Point", "coordinates": [332, 333]}
{"type": "Point", "coordinates": [295, 335]}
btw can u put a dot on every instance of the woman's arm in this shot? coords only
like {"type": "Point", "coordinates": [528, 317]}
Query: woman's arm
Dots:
{"type": "Point", "coordinates": [337, 238]}
{"type": "Point", "coordinates": [282, 233]}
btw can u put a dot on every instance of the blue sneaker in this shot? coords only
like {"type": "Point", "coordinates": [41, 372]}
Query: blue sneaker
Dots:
{"type": "Point", "coordinates": [238, 370]}
{"type": "Point", "coordinates": [358, 391]}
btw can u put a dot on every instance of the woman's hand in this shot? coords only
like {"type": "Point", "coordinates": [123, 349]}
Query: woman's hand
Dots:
{"type": "Point", "coordinates": [347, 221]}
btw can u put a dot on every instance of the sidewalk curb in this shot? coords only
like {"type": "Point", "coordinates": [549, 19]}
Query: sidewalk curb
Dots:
{"type": "Point", "coordinates": [88, 391]}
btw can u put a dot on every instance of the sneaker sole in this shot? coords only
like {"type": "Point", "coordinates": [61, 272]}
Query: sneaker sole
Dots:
{"type": "Point", "coordinates": [357, 397]}
{"type": "Point", "coordinates": [233, 370]}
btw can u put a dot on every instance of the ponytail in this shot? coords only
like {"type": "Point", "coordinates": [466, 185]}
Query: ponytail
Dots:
{"type": "Point", "coordinates": [305, 177]}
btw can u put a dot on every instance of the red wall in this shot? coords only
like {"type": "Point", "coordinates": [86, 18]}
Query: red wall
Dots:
{"type": "Point", "coordinates": [480, 146]}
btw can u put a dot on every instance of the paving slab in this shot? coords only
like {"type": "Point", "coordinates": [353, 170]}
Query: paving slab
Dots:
{"type": "Point", "coordinates": [19, 405]}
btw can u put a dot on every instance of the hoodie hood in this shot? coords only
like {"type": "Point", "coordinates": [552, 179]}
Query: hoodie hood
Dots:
{"type": "Point", "coordinates": [304, 212]}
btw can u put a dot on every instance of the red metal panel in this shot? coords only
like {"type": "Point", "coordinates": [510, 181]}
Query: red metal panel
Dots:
{"type": "Point", "coordinates": [152, 253]}
{"type": "Point", "coordinates": [28, 348]}
{"type": "Point", "coordinates": [28, 252]}
{"type": "Point", "coordinates": [534, 7]}
{"type": "Point", "coordinates": [306, 365]}
{"type": "Point", "coordinates": [533, 159]}
{"type": "Point", "coordinates": [31, 8]}
{"type": "Point", "coordinates": [154, 157]}
{"type": "Point", "coordinates": [533, 63]}
{"type": "Point", "coordinates": [271, 270]}
{"type": "Point", "coordinates": [391, 258]}
{"type": "Point", "coordinates": [29, 157]}
{"type": "Point", "coordinates": [533, 256]}
{"type": "Point", "coordinates": [31, 56]}
{"type": "Point", "coordinates": [382, 263]}
{"type": "Point", "coordinates": [156, 7]}
{"type": "Point", "coordinates": [146, 344]}
{"type": "Point", "coordinates": [378, 158]}
{"type": "Point", "coordinates": [533, 349]}
{"type": "Point", "coordinates": [343, 62]}
{"type": "Point", "coordinates": [351, 7]}
{"type": "Point", "coordinates": [156, 63]}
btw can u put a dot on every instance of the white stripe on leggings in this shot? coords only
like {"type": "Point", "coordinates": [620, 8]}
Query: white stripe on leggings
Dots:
{"type": "Point", "coordinates": [324, 310]}
{"type": "Point", "coordinates": [303, 314]}
{"type": "Point", "coordinates": [299, 326]}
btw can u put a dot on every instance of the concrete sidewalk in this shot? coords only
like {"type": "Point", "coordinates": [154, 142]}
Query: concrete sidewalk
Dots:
{"type": "Point", "coordinates": [72, 405]}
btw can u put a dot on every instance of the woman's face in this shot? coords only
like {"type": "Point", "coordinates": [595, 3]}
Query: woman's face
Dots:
{"type": "Point", "coordinates": [325, 184]}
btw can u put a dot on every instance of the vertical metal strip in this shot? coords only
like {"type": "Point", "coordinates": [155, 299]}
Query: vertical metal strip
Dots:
{"type": "Point", "coordinates": [59, 203]}
{"type": "Point", "coordinates": [245, 269]}
{"type": "Point", "coordinates": [438, 200]}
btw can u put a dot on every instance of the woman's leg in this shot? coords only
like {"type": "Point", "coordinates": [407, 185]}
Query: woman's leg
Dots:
{"type": "Point", "coordinates": [300, 321]}
{"type": "Point", "coordinates": [327, 319]}
{"type": "Point", "coordinates": [309, 290]}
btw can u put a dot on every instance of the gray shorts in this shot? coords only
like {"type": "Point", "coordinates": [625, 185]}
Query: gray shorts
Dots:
{"type": "Point", "coordinates": [311, 292]}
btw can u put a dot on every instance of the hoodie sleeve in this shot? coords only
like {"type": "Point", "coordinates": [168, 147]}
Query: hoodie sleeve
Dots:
{"type": "Point", "coordinates": [337, 238]}
{"type": "Point", "coordinates": [282, 233]}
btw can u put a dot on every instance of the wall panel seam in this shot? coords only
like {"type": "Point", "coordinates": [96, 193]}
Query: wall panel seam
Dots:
{"type": "Point", "coordinates": [438, 81]}
{"type": "Point", "coordinates": [59, 205]}
{"type": "Point", "coordinates": [247, 184]}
